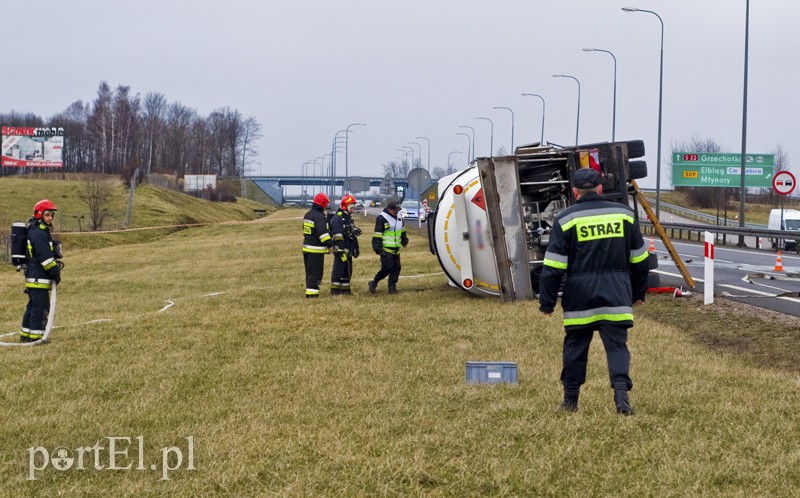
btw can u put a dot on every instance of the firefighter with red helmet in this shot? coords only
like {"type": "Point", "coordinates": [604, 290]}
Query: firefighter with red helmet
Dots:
{"type": "Point", "coordinates": [345, 245]}
{"type": "Point", "coordinates": [42, 272]}
{"type": "Point", "coordinates": [316, 243]}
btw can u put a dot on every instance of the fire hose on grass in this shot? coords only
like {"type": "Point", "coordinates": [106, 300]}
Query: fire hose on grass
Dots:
{"type": "Point", "coordinates": [50, 317]}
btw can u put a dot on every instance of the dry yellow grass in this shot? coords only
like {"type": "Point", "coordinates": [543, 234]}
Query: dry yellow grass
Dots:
{"type": "Point", "coordinates": [364, 395]}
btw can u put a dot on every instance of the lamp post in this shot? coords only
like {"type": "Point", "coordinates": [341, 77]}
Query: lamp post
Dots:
{"type": "Point", "coordinates": [491, 138]}
{"type": "Point", "coordinates": [472, 153]}
{"type": "Point", "coordinates": [541, 140]}
{"type": "Point", "coordinates": [469, 144]}
{"type": "Point", "coordinates": [512, 124]}
{"type": "Point", "coordinates": [578, 120]}
{"type": "Point", "coordinates": [346, 140]}
{"type": "Point", "coordinates": [614, 111]}
{"type": "Point", "coordinates": [334, 151]}
{"type": "Point", "coordinates": [449, 168]}
{"type": "Point", "coordinates": [420, 150]}
{"type": "Point", "coordinates": [743, 193]}
{"type": "Point", "coordinates": [660, 94]}
{"type": "Point", "coordinates": [405, 151]}
{"type": "Point", "coordinates": [412, 156]}
{"type": "Point", "coordinates": [429, 151]}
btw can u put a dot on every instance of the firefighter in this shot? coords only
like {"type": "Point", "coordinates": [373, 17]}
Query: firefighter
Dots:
{"type": "Point", "coordinates": [389, 236]}
{"type": "Point", "coordinates": [316, 243]}
{"type": "Point", "coordinates": [598, 245]}
{"type": "Point", "coordinates": [42, 272]}
{"type": "Point", "coordinates": [345, 245]}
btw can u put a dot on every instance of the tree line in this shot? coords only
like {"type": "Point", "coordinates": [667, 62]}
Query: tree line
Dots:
{"type": "Point", "coordinates": [120, 131]}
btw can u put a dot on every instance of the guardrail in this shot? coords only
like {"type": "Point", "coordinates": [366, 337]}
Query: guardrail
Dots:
{"type": "Point", "coordinates": [685, 231]}
{"type": "Point", "coordinates": [699, 216]}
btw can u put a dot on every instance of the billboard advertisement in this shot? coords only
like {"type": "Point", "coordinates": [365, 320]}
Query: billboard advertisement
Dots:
{"type": "Point", "coordinates": [32, 147]}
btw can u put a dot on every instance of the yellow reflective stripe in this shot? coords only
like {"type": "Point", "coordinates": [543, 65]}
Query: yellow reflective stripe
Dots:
{"type": "Point", "coordinates": [639, 255]}
{"type": "Point", "coordinates": [555, 264]}
{"type": "Point", "coordinates": [315, 249]}
{"type": "Point", "coordinates": [324, 237]}
{"type": "Point", "coordinates": [622, 317]}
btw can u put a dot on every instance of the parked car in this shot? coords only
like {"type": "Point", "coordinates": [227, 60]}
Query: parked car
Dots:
{"type": "Point", "coordinates": [411, 209]}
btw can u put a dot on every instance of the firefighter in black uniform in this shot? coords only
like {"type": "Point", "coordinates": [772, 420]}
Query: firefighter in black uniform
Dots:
{"type": "Point", "coordinates": [597, 243]}
{"type": "Point", "coordinates": [389, 236]}
{"type": "Point", "coordinates": [42, 272]}
{"type": "Point", "coordinates": [345, 245]}
{"type": "Point", "coordinates": [316, 243]}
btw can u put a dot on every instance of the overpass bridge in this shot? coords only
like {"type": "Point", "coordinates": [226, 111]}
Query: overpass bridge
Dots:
{"type": "Point", "coordinates": [276, 186]}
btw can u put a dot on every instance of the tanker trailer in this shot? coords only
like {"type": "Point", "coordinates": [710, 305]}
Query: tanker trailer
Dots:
{"type": "Point", "coordinates": [490, 224]}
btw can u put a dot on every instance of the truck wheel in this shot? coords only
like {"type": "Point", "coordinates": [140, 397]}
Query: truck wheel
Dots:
{"type": "Point", "coordinates": [638, 169]}
{"type": "Point", "coordinates": [635, 149]}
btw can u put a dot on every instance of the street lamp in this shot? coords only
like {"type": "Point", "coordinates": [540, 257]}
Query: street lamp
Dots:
{"type": "Point", "coordinates": [472, 154]}
{"type": "Point", "coordinates": [578, 120]}
{"type": "Point", "coordinates": [614, 112]}
{"type": "Point", "coordinates": [541, 140]}
{"type": "Point", "coordinates": [420, 150]}
{"type": "Point", "coordinates": [660, 94]}
{"type": "Point", "coordinates": [449, 168]}
{"type": "Point", "coordinates": [491, 138]}
{"type": "Point", "coordinates": [405, 151]}
{"type": "Point", "coordinates": [412, 155]}
{"type": "Point", "coordinates": [429, 151]}
{"type": "Point", "coordinates": [469, 143]}
{"type": "Point", "coordinates": [346, 140]}
{"type": "Point", "coordinates": [512, 124]}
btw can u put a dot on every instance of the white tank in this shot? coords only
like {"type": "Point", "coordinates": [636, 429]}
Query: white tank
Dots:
{"type": "Point", "coordinates": [460, 234]}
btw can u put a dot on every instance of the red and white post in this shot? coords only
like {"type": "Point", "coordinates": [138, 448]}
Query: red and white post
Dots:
{"type": "Point", "coordinates": [708, 289]}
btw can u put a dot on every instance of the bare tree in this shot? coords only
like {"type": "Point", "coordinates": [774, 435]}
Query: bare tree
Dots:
{"type": "Point", "coordinates": [155, 107]}
{"type": "Point", "coordinates": [95, 195]}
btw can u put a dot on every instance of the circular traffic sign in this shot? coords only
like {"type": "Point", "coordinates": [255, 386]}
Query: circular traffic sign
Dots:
{"type": "Point", "coordinates": [783, 182]}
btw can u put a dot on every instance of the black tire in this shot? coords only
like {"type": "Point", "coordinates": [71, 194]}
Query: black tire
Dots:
{"type": "Point", "coordinates": [653, 280]}
{"type": "Point", "coordinates": [635, 149]}
{"type": "Point", "coordinates": [638, 169]}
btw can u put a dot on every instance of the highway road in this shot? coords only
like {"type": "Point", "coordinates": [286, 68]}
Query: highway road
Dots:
{"type": "Point", "coordinates": [743, 275]}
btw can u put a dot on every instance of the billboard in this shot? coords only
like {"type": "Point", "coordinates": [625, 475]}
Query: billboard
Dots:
{"type": "Point", "coordinates": [195, 183]}
{"type": "Point", "coordinates": [32, 147]}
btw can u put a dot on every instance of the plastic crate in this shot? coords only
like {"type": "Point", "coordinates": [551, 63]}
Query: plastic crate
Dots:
{"type": "Point", "coordinates": [491, 372]}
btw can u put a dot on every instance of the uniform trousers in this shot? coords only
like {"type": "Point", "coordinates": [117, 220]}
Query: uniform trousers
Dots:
{"type": "Point", "coordinates": [315, 264]}
{"type": "Point", "coordinates": [390, 266]}
{"type": "Point", "coordinates": [576, 356]}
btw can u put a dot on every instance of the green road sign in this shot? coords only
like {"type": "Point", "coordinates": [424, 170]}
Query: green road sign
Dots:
{"type": "Point", "coordinates": [701, 169]}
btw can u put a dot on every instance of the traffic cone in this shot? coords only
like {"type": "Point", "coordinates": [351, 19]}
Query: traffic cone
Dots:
{"type": "Point", "coordinates": [778, 263]}
{"type": "Point", "coordinates": [652, 247]}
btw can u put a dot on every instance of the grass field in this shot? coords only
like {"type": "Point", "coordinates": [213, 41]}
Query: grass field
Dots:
{"type": "Point", "coordinates": [201, 342]}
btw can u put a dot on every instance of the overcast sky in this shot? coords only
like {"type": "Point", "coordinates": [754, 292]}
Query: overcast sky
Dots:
{"type": "Point", "coordinates": [308, 68]}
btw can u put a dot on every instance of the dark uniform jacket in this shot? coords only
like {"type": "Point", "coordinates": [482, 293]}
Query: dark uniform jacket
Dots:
{"type": "Point", "coordinates": [42, 268]}
{"type": "Point", "coordinates": [344, 233]}
{"type": "Point", "coordinates": [316, 238]}
{"type": "Point", "coordinates": [597, 243]}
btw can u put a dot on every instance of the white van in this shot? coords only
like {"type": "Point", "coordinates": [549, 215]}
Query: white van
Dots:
{"type": "Point", "coordinates": [791, 221]}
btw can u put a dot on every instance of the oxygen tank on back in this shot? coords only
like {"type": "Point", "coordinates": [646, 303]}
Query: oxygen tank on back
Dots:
{"type": "Point", "coordinates": [19, 244]}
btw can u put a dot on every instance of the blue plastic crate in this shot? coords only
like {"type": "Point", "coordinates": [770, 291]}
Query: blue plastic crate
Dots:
{"type": "Point", "coordinates": [491, 372]}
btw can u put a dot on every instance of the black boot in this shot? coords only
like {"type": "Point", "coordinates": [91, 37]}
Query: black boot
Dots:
{"type": "Point", "coordinates": [570, 403]}
{"type": "Point", "coordinates": [622, 402]}
{"type": "Point", "coordinates": [392, 289]}
{"type": "Point", "coordinates": [372, 285]}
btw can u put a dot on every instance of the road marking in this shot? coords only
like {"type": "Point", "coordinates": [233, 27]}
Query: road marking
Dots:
{"type": "Point", "coordinates": [765, 294]}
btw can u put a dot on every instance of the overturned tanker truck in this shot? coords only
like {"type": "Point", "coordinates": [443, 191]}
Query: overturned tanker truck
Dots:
{"type": "Point", "coordinates": [491, 223]}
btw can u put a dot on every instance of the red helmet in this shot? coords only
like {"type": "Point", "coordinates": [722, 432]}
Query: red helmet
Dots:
{"type": "Point", "coordinates": [321, 200]}
{"type": "Point", "coordinates": [41, 207]}
{"type": "Point", "coordinates": [346, 201]}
